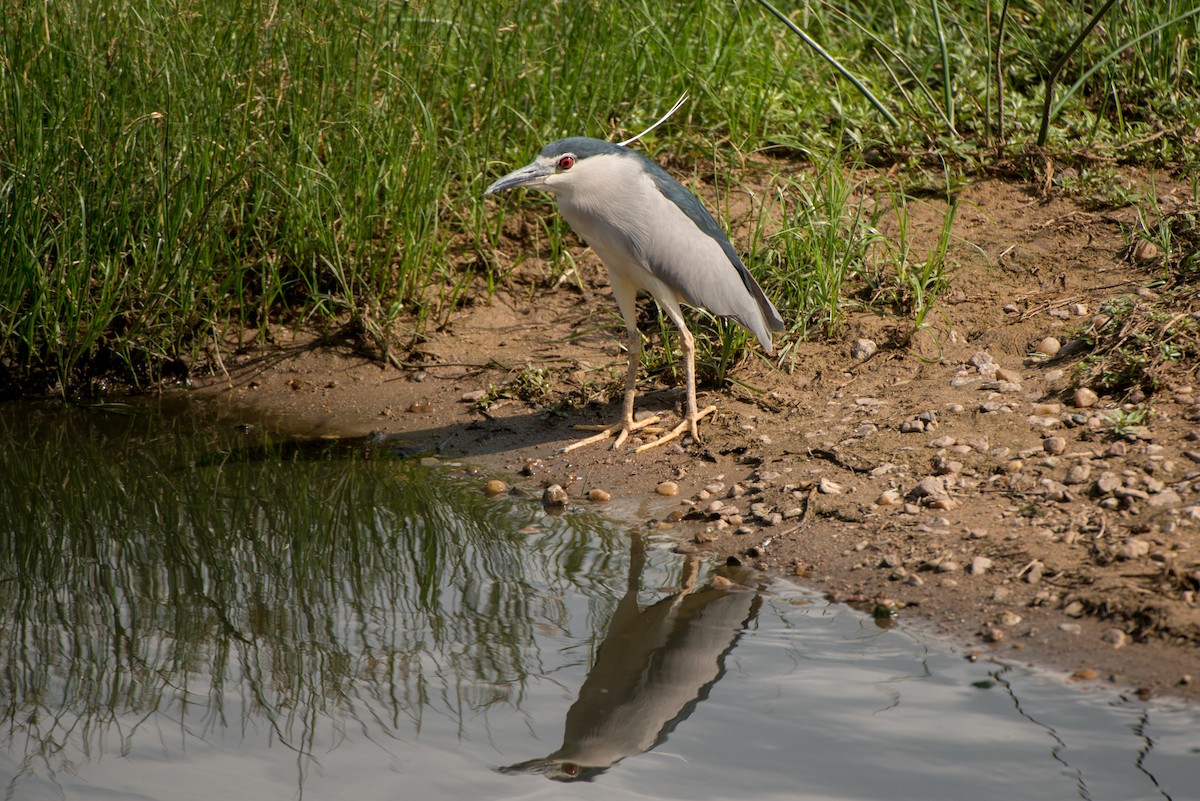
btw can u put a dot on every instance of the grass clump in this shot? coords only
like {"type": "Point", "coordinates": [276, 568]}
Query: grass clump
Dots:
{"type": "Point", "coordinates": [175, 177]}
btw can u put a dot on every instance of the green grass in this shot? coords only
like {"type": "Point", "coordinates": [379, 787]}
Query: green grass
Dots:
{"type": "Point", "coordinates": [174, 177]}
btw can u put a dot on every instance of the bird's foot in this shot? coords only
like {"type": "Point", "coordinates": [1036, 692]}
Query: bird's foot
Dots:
{"type": "Point", "coordinates": [677, 431]}
{"type": "Point", "coordinates": [620, 430]}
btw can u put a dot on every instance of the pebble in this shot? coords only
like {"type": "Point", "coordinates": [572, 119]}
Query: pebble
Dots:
{"type": "Point", "coordinates": [930, 485]}
{"type": "Point", "coordinates": [943, 442]}
{"type": "Point", "coordinates": [888, 498]}
{"type": "Point", "coordinates": [1145, 250]}
{"type": "Point", "coordinates": [1118, 638]}
{"type": "Point", "coordinates": [980, 565]}
{"type": "Point", "coordinates": [1133, 548]}
{"type": "Point", "coordinates": [598, 496]}
{"type": "Point", "coordinates": [981, 359]}
{"type": "Point", "coordinates": [947, 467]}
{"type": "Point", "coordinates": [948, 566]}
{"type": "Point", "coordinates": [1049, 346]}
{"type": "Point", "coordinates": [1085, 674]}
{"type": "Point", "coordinates": [667, 489]}
{"type": "Point", "coordinates": [1054, 445]}
{"type": "Point", "coordinates": [1107, 482]}
{"type": "Point", "coordinates": [495, 487]}
{"type": "Point", "coordinates": [1084, 397]}
{"type": "Point", "coordinates": [863, 349]}
{"type": "Point", "coordinates": [420, 407]}
{"type": "Point", "coordinates": [473, 397]}
{"type": "Point", "coordinates": [1078, 474]}
{"type": "Point", "coordinates": [555, 495]}
{"type": "Point", "coordinates": [1073, 609]}
{"type": "Point", "coordinates": [1011, 376]}
{"type": "Point", "coordinates": [1070, 628]}
{"type": "Point", "coordinates": [827, 487]}
{"type": "Point", "coordinates": [1009, 619]}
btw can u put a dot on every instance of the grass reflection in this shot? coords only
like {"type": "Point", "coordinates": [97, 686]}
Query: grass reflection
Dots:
{"type": "Point", "coordinates": [164, 565]}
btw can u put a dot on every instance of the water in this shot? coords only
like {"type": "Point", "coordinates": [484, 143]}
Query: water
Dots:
{"type": "Point", "coordinates": [191, 610]}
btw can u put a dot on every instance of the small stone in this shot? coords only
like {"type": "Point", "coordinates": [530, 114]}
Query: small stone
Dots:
{"type": "Point", "coordinates": [1078, 474]}
{"type": "Point", "coordinates": [555, 495]}
{"type": "Point", "coordinates": [1005, 374]}
{"type": "Point", "coordinates": [1009, 619]}
{"type": "Point", "coordinates": [943, 442]}
{"type": "Point", "coordinates": [827, 487]}
{"type": "Point", "coordinates": [1085, 674]}
{"type": "Point", "coordinates": [1073, 609]}
{"type": "Point", "coordinates": [993, 634]}
{"type": "Point", "coordinates": [495, 487]}
{"type": "Point", "coordinates": [1145, 250]}
{"type": "Point", "coordinates": [1078, 309]}
{"type": "Point", "coordinates": [598, 496]}
{"type": "Point", "coordinates": [928, 486]}
{"type": "Point", "coordinates": [912, 426]}
{"type": "Point", "coordinates": [888, 498]}
{"type": "Point", "coordinates": [1133, 548]}
{"type": "Point", "coordinates": [473, 397]}
{"type": "Point", "coordinates": [667, 489]}
{"type": "Point", "coordinates": [948, 566]}
{"type": "Point", "coordinates": [1118, 638]}
{"type": "Point", "coordinates": [1049, 346]}
{"type": "Point", "coordinates": [947, 467]}
{"type": "Point", "coordinates": [862, 349]}
{"type": "Point", "coordinates": [420, 407]}
{"type": "Point", "coordinates": [1083, 398]}
{"type": "Point", "coordinates": [1070, 628]}
{"type": "Point", "coordinates": [1054, 445]}
{"type": "Point", "coordinates": [980, 565]}
{"type": "Point", "coordinates": [1106, 483]}
{"type": "Point", "coordinates": [981, 359]}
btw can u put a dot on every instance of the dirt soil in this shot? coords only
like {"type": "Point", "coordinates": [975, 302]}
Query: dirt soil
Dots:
{"type": "Point", "coordinates": [951, 478]}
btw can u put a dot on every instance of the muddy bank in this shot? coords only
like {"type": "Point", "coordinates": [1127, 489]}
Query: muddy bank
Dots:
{"type": "Point", "coordinates": [954, 477]}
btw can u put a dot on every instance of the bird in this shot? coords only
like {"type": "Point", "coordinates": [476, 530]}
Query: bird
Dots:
{"type": "Point", "coordinates": [653, 235]}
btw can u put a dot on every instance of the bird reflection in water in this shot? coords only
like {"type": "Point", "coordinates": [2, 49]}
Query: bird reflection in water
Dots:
{"type": "Point", "coordinates": [654, 666]}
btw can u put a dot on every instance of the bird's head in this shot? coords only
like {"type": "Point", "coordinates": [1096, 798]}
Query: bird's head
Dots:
{"type": "Point", "coordinates": [561, 164]}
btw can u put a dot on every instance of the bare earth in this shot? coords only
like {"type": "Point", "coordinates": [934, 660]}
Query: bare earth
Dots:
{"type": "Point", "coordinates": [917, 480]}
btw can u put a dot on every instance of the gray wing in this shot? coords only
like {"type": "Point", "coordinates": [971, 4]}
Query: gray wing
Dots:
{"type": "Point", "coordinates": [696, 271]}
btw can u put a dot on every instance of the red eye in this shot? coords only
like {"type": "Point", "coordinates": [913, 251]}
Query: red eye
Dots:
{"type": "Point", "coordinates": [566, 162]}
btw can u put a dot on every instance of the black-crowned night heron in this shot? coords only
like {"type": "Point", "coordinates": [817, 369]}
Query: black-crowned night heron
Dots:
{"type": "Point", "coordinates": [653, 235]}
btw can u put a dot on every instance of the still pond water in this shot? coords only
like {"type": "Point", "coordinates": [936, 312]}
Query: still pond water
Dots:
{"type": "Point", "coordinates": [194, 611]}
